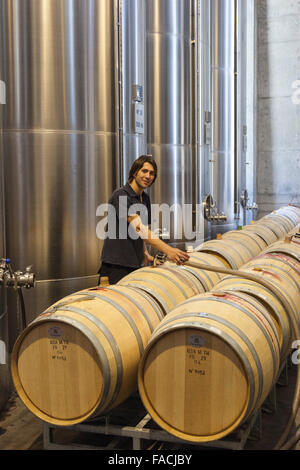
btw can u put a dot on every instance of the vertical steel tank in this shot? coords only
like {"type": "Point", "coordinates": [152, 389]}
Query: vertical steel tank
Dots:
{"type": "Point", "coordinates": [196, 95]}
{"type": "Point", "coordinates": [132, 82]}
{"type": "Point", "coordinates": [78, 72]}
{"type": "Point", "coordinates": [246, 85]}
{"type": "Point", "coordinates": [169, 110]}
{"type": "Point", "coordinates": [202, 111]}
{"type": "Point", "coordinates": [229, 88]}
{"type": "Point", "coordinates": [222, 156]}
{"type": "Point", "coordinates": [60, 140]}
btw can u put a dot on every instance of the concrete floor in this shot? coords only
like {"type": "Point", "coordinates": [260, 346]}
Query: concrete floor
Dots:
{"type": "Point", "coordinates": [21, 430]}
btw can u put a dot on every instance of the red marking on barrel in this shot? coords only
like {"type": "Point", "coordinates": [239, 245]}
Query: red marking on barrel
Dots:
{"type": "Point", "coordinates": [264, 271]}
{"type": "Point", "coordinates": [46, 314]}
{"type": "Point", "coordinates": [253, 310]}
{"type": "Point", "coordinates": [287, 258]}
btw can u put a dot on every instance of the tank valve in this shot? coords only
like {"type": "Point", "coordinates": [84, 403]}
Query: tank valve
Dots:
{"type": "Point", "coordinates": [210, 211]}
{"type": "Point", "coordinates": [245, 202]}
{"type": "Point", "coordinates": [15, 279]}
{"type": "Point", "coordinates": [217, 217]}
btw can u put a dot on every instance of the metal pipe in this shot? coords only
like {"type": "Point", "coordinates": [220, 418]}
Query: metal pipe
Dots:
{"type": "Point", "coordinates": [2, 208]}
{"type": "Point", "coordinates": [236, 139]}
{"type": "Point", "coordinates": [23, 311]}
{"type": "Point", "coordinates": [202, 112]}
{"type": "Point", "coordinates": [194, 107]}
{"type": "Point", "coordinates": [241, 86]}
{"type": "Point", "coordinates": [118, 88]}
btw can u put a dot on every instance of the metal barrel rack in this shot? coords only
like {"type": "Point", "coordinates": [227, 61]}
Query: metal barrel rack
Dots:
{"type": "Point", "coordinates": [130, 427]}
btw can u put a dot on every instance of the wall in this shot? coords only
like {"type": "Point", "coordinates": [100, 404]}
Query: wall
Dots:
{"type": "Point", "coordinates": [278, 105]}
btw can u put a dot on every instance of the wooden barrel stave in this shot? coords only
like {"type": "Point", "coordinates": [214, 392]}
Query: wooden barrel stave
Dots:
{"type": "Point", "coordinates": [168, 285]}
{"type": "Point", "coordinates": [269, 300]}
{"type": "Point", "coordinates": [234, 253]}
{"type": "Point", "coordinates": [254, 241]}
{"type": "Point", "coordinates": [194, 409]}
{"type": "Point", "coordinates": [71, 363]}
{"type": "Point", "coordinates": [265, 233]}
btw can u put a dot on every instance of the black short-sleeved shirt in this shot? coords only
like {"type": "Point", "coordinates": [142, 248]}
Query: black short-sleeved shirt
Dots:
{"type": "Point", "coordinates": [119, 247]}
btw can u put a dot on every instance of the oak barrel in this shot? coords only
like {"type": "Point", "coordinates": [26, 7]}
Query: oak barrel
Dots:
{"type": "Point", "coordinates": [291, 212]}
{"type": "Point", "coordinates": [279, 264]}
{"type": "Point", "coordinates": [207, 278]}
{"type": "Point", "coordinates": [209, 365]}
{"type": "Point", "coordinates": [274, 225]}
{"type": "Point", "coordinates": [168, 285]}
{"type": "Point", "coordinates": [280, 281]}
{"type": "Point", "coordinates": [80, 357]}
{"type": "Point", "coordinates": [233, 252]}
{"type": "Point", "coordinates": [249, 239]}
{"type": "Point", "coordinates": [269, 300]}
{"type": "Point", "coordinates": [290, 248]}
{"type": "Point", "coordinates": [216, 255]}
{"type": "Point", "coordinates": [265, 233]}
{"type": "Point", "coordinates": [281, 219]}
{"type": "Point", "coordinates": [294, 234]}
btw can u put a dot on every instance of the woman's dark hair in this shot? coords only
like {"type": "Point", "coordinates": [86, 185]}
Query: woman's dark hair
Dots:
{"type": "Point", "coordinates": [138, 164]}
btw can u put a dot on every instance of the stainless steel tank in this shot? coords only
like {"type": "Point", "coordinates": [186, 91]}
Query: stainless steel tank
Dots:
{"type": "Point", "coordinates": [77, 73]}
{"type": "Point", "coordinates": [222, 157]}
{"type": "Point", "coordinates": [195, 83]}
{"type": "Point", "coordinates": [60, 140]}
{"type": "Point", "coordinates": [229, 88]}
{"type": "Point", "coordinates": [202, 112]}
{"type": "Point", "coordinates": [132, 82]}
{"type": "Point", "coordinates": [169, 110]}
{"type": "Point", "coordinates": [246, 120]}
